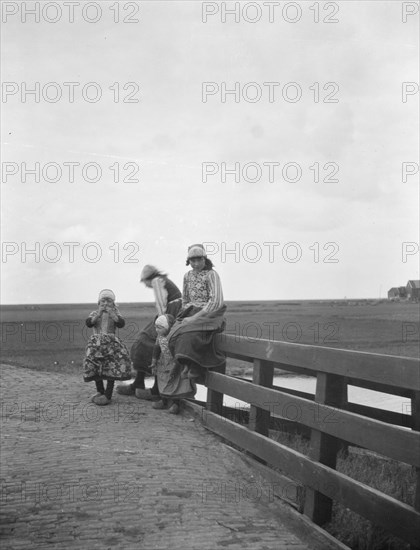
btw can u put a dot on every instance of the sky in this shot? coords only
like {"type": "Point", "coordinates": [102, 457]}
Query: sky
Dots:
{"type": "Point", "coordinates": [325, 202]}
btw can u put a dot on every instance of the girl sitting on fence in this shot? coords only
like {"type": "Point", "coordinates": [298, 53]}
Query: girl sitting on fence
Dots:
{"type": "Point", "coordinates": [191, 340]}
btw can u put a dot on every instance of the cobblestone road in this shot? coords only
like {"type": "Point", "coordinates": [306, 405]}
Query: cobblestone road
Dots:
{"type": "Point", "coordinates": [123, 476]}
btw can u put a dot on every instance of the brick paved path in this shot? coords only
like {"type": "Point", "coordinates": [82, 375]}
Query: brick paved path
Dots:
{"type": "Point", "coordinates": [124, 476]}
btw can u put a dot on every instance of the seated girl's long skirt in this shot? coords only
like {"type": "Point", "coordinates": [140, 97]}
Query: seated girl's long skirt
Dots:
{"type": "Point", "coordinates": [194, 342]}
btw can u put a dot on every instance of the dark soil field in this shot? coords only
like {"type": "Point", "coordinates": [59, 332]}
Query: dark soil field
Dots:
{"type": "Point", "coordinates": [53, 337]}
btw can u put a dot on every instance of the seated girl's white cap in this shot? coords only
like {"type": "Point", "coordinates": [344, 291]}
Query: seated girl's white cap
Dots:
{"type": "Point", "coordinates": [106, 293]}
{"type": "Point", "coordinates": [196, 251]}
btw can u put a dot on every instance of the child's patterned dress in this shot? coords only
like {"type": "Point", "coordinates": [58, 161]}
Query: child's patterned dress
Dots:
{"type": "Point", "coordinates": [107, 358]}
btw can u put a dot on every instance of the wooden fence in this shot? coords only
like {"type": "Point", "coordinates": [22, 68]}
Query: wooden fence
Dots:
{"type": "Point", "coordinates": [332, 420]}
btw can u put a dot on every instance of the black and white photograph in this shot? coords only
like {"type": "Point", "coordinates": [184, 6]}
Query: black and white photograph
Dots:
{"type": "Point", "coordinates": [210, 275]}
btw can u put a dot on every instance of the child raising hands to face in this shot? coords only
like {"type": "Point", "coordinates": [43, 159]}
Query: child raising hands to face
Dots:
{"type": "Point", "coordinates": [107, 358]}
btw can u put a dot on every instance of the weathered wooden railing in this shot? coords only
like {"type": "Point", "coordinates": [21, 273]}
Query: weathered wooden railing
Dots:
{"type": "Point", "coordinates": [331, 419]}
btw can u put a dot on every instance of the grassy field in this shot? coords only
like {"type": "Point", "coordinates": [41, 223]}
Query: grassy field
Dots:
{"type": "Point", "coordinates": [388, 476]}
{"type": "Point", "coordinates": [53, 337]}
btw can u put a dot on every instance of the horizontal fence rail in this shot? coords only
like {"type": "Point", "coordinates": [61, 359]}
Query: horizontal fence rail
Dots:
{"type": "Point", "coordinates": [331, 420]}
{"type": "Point", "coordinates": [390, 441]}
{"type": "Point", "coordinates": [384, 370]}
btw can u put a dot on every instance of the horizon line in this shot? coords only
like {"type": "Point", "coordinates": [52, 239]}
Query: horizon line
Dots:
{"type": "Point", "coordinates": [226, 301]}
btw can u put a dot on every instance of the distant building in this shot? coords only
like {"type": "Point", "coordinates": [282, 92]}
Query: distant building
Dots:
{"type": "Point", "coordinates": [397, 292]}
{"type": "Point", "coordinates": [413, 290]}
{"type": "Point", "coordinates": [393, 292]}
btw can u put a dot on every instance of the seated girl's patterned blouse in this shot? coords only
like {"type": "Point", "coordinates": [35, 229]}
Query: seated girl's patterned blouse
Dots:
{"type": "Point", "coordinates": [202, 289]}
{"type": "Point", "coordinates": [104, 324]}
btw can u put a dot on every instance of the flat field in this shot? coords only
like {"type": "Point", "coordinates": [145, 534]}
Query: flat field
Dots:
{"type": "Point", "coordinates": [54, 336]}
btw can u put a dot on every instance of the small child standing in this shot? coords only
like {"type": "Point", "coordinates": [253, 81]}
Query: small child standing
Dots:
{"type": "Point", "coordinates": [172, 387]}
{"type": "Point", "coordinates": [107, 358]}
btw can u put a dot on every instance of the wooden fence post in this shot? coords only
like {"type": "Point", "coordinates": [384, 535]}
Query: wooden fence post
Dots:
{"type": "Point", "coordinates": [330, 390]}
{"type": "Point", "coordinates": [262, 375]}
{"type": "Point", "coordinates": [415, 413]}
{"type": "Point", "coordinates": [259, 419]}
{"type": "Point", "coordinates": [215, 398]}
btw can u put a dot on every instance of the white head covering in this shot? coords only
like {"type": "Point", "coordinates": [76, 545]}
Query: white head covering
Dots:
{"type": "Point", "coordinates": [162, 322]}
{"type": "Point", "coordinates": [147, 272]}
{"type": "Point", "coordinates": [196, 251]}
{"type": "Point", "coordinates": [106, 293]}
